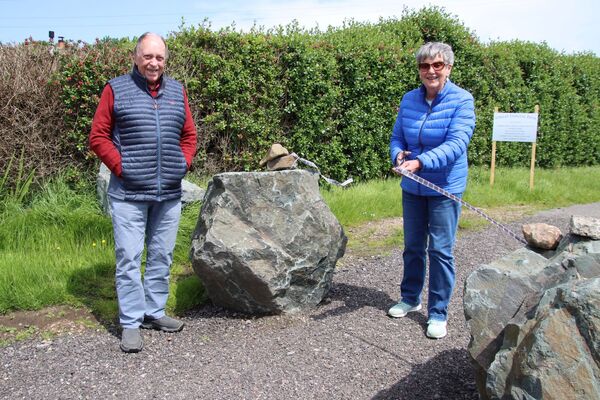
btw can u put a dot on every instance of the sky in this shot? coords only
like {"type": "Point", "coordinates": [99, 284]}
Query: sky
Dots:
{"type": "Point", "coordinates": [566, 25]}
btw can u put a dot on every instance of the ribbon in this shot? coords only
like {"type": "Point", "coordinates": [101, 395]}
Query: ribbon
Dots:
{"type": "Point", "coordinates": [314, 167]}
{"type": "Point", "coordinates": [426, 183]}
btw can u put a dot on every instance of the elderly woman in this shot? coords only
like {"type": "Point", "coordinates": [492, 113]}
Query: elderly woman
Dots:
{"type": "Point", "coordinates": [430, 138]}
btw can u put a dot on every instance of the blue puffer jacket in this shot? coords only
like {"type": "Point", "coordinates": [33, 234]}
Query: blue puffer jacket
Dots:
{"type": "Point", "coordinates": [436, 135]}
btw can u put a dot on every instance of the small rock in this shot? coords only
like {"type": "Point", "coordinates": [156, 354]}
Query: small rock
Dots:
{"type": "Point", "coordinates": [542, 236]}
{"type": "Point", "coordinates": [585, 226]}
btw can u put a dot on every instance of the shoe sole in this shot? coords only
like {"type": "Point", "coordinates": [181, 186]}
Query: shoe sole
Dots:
{"type": "Point", "coordinates": [415, 309]}
{"type": "Point", "coordinates": [150, 325]}
{"type": "Point", "coordinates": [432, 336]}
{"type": "Point", "coordinates": [436, 337]}
{"type": "Point", "coordinates": [131, 350]}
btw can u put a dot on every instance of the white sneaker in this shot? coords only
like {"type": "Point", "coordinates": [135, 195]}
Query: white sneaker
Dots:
{"type": "Point", "coordinates": [436, 329]}
{"type": "Point", "coordinates": [401, 309]}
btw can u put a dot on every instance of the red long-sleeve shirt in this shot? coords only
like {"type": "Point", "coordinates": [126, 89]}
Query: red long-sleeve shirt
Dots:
{"type": "Point", "coordinates": [100, 138]}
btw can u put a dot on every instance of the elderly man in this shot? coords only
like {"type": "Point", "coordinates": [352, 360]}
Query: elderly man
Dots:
{"type": "Point", "coordinates": [144, 132]}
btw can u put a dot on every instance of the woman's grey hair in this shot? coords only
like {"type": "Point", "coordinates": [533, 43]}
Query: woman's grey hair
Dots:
{"type": "Point", "coordinates": [432, 49]}
{"type": "Point", "coordinates": [144, 35]}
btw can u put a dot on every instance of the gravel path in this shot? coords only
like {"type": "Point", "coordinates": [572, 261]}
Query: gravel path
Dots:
{"type": "Point", "coordinates": [347, 348]}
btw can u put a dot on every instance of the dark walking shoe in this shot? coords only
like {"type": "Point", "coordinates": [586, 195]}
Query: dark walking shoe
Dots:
{"type": "Point", "coordinates": [164, 323]}
{"type": "Point", "coordinates": [131, 340]}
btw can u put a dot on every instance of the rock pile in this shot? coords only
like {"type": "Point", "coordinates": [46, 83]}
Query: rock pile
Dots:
{"type": "Point", "coordinates": [279, 158]}
{"type": "Point", "coordinates": [535, 321]}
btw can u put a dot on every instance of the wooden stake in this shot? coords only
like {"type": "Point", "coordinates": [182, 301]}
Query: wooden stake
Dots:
{"type": "Point", "coordinates": [533, 145]}
{"type": "Point", "coordinates": [493, 166]}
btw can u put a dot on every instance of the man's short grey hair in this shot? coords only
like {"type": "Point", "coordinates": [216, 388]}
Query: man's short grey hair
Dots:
{"type": "Point", "coordinates": [432, 49]}
{"type": "Point", "coordinates": [146, 34]}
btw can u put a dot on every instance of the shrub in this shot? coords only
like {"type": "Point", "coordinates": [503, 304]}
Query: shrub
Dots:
{"type": "Point", "coordinates": [30, 110]}
{"type": "Point", "coordinates": [330, 96]}
{"type": "Point", "coordinates": [84, 71]}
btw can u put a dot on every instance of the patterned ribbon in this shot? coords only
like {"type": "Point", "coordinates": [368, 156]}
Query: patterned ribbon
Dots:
{"type": "Point", "coordinates": [426, 183]}
{"type": "Point", "coordinates": [314, 167]}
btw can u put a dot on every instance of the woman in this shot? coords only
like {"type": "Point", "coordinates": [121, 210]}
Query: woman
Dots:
{"type": "Point", "coordinates": [430, 138]}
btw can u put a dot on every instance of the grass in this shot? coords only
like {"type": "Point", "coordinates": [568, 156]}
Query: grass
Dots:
{"type": "Point", "coordinates": [552, 187]}
{"type": "Point", "coordinates": [371, 201]}
{"type": "Point", "coordinates": [57, 248]}
{"type": "Point", "coordinates": [47, 245]}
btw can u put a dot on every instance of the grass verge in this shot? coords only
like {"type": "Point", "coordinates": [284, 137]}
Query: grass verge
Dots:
{"type": "Point", "coordinates": [58, 249]}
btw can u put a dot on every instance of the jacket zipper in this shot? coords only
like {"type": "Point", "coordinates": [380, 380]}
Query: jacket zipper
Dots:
{"type": "Point", "coordinates": [159, 145]}
{"type": "Point", "coordinates": [419, 137]}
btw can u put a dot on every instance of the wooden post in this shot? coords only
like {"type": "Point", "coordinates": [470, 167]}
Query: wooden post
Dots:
{"type": "Point", "coordinates": [533, 145]}
{"type": "Point", "coordinates": [493, 166]}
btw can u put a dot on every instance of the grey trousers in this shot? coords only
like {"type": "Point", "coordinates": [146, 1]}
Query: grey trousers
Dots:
{"type": "Point", "coordinates": [135, 224]}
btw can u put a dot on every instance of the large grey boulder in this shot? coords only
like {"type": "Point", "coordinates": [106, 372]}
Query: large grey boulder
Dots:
{"type": "Point", "coordinates": [535, 323]}
{"type": "Point", "coordinates": [189, 192]}
{"type": "Point", "coordinates": [554, 353]}
{"type": "Point", "coordinates": [266, 242]}
{"type": "Point", "coordinates": [493, 294]}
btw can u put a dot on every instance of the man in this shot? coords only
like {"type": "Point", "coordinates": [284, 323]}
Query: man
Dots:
{"type": "Point", "coordinates": [144, 133]}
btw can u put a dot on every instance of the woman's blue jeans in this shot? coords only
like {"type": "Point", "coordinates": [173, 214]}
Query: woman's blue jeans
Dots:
{"type": "Point", "coordinates": [430, 224]}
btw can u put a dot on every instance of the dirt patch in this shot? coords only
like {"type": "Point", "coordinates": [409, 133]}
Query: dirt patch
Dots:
{"type": "Point", "coordinates": [376, 230]}
{"type": "Point", "coordinates": [501, 214]}
{"type": "Point", "coordinates": [382, 229]}
{"type": "Point", "coordinates": [381, 237]}
{"type": "Point", "coordinates": [45, 323]}
{"type": "Point", "coordinates": [374, 237]}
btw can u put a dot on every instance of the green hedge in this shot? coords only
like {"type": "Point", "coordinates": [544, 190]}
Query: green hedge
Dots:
{"type": "Point", "coordinates": [82, 75]}
{"type": "Point", "coordinates": [332, 96]}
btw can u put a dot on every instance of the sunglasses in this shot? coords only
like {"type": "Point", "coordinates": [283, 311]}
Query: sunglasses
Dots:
{"type": "Point", "coordinates": [437, 66]}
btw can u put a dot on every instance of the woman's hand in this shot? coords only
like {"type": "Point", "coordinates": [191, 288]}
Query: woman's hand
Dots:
{"type": "Point", "coordinates": [401, 157]}
{"type": "Point", "coordinates": [411, 165]}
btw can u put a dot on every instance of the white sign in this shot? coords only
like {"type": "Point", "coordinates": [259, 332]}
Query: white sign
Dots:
{"type": "Point", "coordinates": [515, 127]}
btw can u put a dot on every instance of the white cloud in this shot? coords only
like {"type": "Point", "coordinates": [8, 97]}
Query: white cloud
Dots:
{"type": "Point", "coordinates": [569, 26]}
{"type": "Point", "coordinates": [308, 13]}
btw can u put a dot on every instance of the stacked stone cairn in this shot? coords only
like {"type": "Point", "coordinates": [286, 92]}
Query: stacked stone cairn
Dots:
{"type": "Point", "coordinates": [278, 158]}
